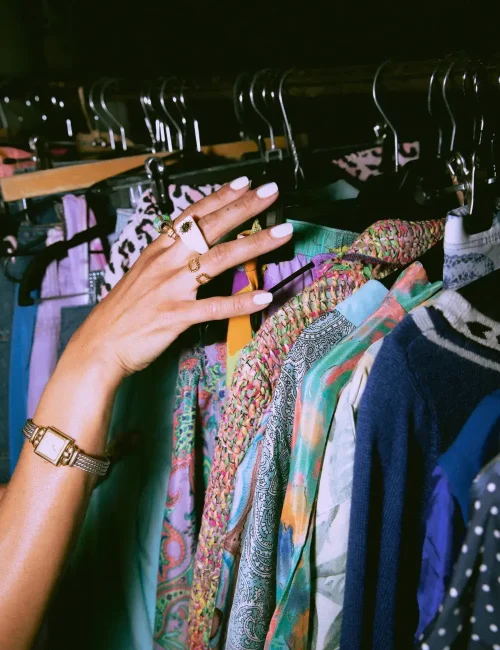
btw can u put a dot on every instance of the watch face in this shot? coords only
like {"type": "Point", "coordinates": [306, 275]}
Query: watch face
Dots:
{"type": "Point", "coordinates": [52, 446]}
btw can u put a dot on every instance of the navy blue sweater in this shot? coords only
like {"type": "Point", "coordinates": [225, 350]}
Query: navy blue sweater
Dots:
{"type": "Point", "coordinates": [429, 375]}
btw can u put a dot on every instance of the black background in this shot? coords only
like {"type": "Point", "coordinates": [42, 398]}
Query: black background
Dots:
{"type": "Point", "coordinates": [71, 39]}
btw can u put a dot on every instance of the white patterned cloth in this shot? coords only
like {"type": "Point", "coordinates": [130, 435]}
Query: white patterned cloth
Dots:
{"type": "Point", "coordinates": [333, 510]}
{"type": "Point", "coordinates": [469, 257]}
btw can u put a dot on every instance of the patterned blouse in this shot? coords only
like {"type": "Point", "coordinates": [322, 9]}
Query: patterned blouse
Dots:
{"type": "Point", "coordinates": [260, 488]}
{"type": "Point", "coordinates": [316, 406]}
{"type": "Point", "coordinates": [384, 247]}
{"type": "Point", "coordinates": [199, 397]}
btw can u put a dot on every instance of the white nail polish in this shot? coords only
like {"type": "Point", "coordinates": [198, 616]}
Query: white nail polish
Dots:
{"type": "Point", "coordinates": [265, 191]}
{"type": "Point", "coordinates": [263, 298]}
{"type": "Point", "coordinates": [239, 183]}
{"type": "Point", "coordinates": [283, 230]}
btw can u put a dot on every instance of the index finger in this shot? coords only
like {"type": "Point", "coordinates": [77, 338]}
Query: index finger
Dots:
{"type": "Point", "coordinates": [225, 195]}
{"type": "Point", "coordinates": [221, 197]}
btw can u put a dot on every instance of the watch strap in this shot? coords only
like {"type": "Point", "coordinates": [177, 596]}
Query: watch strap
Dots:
{"type": "Point", "coordinates": [90, 464]}
{"type": "Point", "coordinates": [30, 429]}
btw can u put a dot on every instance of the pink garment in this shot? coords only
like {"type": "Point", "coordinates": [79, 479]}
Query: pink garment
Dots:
{"type": "Point", "coordinates": [68, 277]}
{"type": "Point", "coordinates": [11, 152]}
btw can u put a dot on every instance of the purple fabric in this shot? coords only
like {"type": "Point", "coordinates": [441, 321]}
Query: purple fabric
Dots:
{"type": "Point", "coordinates": [438, 550]}
{"type": "Point", "coordinates": [277, 272]}
{"type": "Point", "coordinates": [68, 277]}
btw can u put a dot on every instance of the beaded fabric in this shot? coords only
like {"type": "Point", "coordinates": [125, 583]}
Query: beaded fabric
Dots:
{"type": "Point", "coordinates": [379, 250]}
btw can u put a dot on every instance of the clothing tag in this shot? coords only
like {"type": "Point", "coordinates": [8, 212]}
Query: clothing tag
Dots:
{"type": "Point", "coordinates": [96, 280]}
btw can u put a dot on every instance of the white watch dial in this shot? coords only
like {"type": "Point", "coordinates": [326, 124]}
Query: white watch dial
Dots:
{"type": "Point", "coordinates": [51, 446]}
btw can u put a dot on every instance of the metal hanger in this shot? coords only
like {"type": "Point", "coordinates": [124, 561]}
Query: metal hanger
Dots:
{"type": "Point", "coordinates": [432, 109]}
{"type": "Point", "coordinates": [189, 121]}
{"type": "Point", "coordinates": [298, 172]}
{"type": "Point", "coordinates": [98, 118]}
{"type": "Point", "coordinates": [390, 153]}
{"type": "Point", "coordinates": [112, 119]}
{"type": "Point", "coordinates": [163, 130]}
{"type": "Point", "coordinates": [244, 112]}
{"type": "Point", "coordinates": [145, 101]}
{"type": "Point", "coordinates": [168, 113]}
{"type": "Point", "coordinates": [255, 94]}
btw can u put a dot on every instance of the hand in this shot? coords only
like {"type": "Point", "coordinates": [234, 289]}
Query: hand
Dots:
{"type": "Point", "coordinates": [156, 299]}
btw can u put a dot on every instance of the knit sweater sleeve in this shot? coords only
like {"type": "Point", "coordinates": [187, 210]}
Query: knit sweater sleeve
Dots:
{"type": "Point", "coordinates": [388, 483]}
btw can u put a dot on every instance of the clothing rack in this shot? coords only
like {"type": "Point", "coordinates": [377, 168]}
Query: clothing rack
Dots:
{"type": "Point", "coordinates": [84, 175]}
{"type": "Point", "coordinates": [400, 77]}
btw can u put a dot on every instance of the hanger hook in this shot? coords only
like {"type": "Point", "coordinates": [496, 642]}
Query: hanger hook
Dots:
{"type": "Point", "coordinates": [180, 137]}
{"type": "Point", "coordinates": [430, 109]}
{"type": "Point", "coordinates": [238, 103]}
{"type": "Point", "coordinates": [384, 115]}
{"type": "Point", "coordinates": [97, 116]}
{"type": "Point", "coordinates": [447, 103]}
{"type": "Point", "coordinates": [297, 169]}
{"type": "Point", "coordinates": [187, 116]}
{"type": "Point", "coordinates": [145, 100]}
{"type": "Point", "coordinates": [3, 116]}
{"type": "Point", "coordinates": [121, 128]}
{"type": "Point", "coordinates": [258, 111]}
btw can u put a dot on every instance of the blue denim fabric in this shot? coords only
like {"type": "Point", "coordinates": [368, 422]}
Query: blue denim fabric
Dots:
{"type": "Point", "coordinates": [23, 329]}
{"type": "Point", "coordinates": [6, 310]}
{"type": "Point", "coordinates": [22, 323]}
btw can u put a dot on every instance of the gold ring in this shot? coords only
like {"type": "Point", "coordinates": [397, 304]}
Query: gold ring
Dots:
{"type": "Point", "coordinates": [163, 225]}
{"type": "Point", "coordinates": [203, 278]}
{"type": "Point", "coordinates": [170, 232]}
{"type": "Point", "coordinates": [194, 264]}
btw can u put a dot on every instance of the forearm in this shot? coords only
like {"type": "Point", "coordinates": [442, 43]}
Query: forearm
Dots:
{"type": "Point", "coordinates": [44, 505]}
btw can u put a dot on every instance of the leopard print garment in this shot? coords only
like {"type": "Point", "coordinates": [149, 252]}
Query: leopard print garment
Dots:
{"type": "Point", "coordinates": [364, 164]}
{"type": "Point", "coordinates": [139, 231]}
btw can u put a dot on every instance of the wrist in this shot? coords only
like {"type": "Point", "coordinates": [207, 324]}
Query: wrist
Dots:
{"type": "Point", "coordinates": [78, 400]}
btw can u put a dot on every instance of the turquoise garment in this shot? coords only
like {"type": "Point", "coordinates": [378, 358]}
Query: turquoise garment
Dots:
{"type": "Point", "coordinates": [111, 579]}
{"type": "Point", "coordinates": [266, 483]}
{"type": "Point", "coordinates": [311, 239]}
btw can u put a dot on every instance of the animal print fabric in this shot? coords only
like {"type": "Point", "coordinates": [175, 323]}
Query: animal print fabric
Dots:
{"type": "Point", "coordinates": [363, 164]}
{"type": "Point", "coordinates": [140, 232]}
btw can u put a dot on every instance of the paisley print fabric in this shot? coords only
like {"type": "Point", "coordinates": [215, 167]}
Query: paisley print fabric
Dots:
{"type": "Point", "coordinates": [199, 395]}
{"type": "Point", "coordinates": [254, 599]}
{"type": "Point", "coordinates": [382, 248]}
{"type": "Point", "coordinates": [139, 231]}
{"type": "Point", "coordinates": [469, 257]}
{"type": "Point", "coordinates": [319, 396]}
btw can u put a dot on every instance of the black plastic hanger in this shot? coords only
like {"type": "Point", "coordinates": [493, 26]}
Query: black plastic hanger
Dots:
{"type": "Point", "coordinates": [34, 274]}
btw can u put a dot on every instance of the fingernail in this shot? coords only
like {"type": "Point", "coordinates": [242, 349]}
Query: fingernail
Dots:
{"type": "Point", "coordinates": [283, 230]}
{"type": "Point", "coordinates": [263, 298]}
{"type": "Point", "coordinates": [239, 183]}
{"type": "Point", "coordinates": [265, 191]}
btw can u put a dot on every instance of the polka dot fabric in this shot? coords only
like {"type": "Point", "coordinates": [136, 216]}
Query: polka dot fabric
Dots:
{"type": "Point", "coordinates": [470, 615]}
{"type": "Point", "coordinates": [382, 248]}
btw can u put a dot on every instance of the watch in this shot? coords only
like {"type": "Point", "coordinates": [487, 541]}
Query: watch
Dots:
{"type": "Point", "coordinates": [59, 449]}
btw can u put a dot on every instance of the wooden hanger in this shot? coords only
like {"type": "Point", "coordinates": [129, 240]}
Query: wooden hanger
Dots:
{"type": "Point", "coordinates": [82, 176]}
